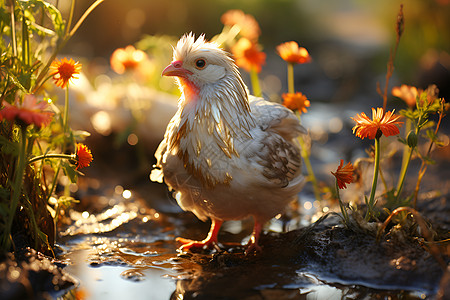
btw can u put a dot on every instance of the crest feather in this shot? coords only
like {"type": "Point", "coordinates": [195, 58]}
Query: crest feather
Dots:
{"type": "Point", "coordinates": [188, 45]}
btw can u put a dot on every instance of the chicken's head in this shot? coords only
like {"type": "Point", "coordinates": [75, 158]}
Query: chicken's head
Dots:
{"type": "Point", "coordinates": [199, 63]}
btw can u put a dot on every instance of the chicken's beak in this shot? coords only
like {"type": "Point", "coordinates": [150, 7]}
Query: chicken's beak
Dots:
{"type": "Point", "coordinates": [176, 69]}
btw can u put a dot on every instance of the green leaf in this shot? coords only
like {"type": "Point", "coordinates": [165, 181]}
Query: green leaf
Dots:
{"type": "Point", "coordinates": [431, 135]}
{"type": "Point", "coordinates": [439, 143]}
{"type": "Point", "coordinates": [53, 12]}
{"type": "Point", "coordinates": [15, 80]}
{"type": "Point", "coordinates": [423, 122]}
{"type": "Point", "coordinates": [70, 171]}
{"type": "Point", "coordinates": [67, 201]}
{"type": "Point", "coordinates": [80, 135]}
{"type": "Point", "coordinates": [429, 160]}
{"type": "Point", "coordinates": [409, 114]}
{"type": "Point", "coordinates": [434, 107]}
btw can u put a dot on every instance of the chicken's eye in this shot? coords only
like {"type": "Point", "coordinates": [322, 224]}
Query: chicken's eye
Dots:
{"type": "Point", "coordinates": [200, 63]}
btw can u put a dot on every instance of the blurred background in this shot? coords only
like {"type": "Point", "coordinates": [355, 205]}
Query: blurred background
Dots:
{"type": "Point", "coordinates": [343, 36]}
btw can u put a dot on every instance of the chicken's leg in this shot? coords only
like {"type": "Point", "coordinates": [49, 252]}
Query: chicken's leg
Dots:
{"type": "Point", "coordinates": [252, 245]}
{"type": "Point", "coordinates": [210, 239]}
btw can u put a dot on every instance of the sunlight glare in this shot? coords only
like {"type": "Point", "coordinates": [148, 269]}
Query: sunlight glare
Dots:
{"type": "Point", "coordinates": [126, 194]}
{"type": "Point", "coordinates": [101, 121]}
{"type": "Point", "coordinates": [307, 205]}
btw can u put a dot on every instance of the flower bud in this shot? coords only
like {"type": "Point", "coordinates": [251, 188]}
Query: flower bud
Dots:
{"type": "Point", "coordinates": [412, 139]}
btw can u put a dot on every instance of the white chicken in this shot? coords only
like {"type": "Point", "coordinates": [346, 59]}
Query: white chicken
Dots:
{"type": "Point", "coordinates": [228, 155]}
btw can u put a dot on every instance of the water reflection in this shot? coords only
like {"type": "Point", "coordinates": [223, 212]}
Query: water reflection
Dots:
{"type": "Point", "coordinates": [120, 282]}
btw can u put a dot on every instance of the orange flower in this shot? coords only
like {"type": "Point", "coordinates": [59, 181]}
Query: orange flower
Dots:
{"type": "Point", "coordinates": [64, 70]}
{"type": "Point", "coordinates": [406, 93]}
{"type": "Point", "coordinates": [126, 59]}
{"type": "Point", "coordinates": [296, 101]}
{"type": "Point", "coordinates": [249, 27]}
{"type": "Point", "coordinates": [30, 111]}
{"type": "Point", "coordinates": [344, 175]}
{"type": "Point", "coordinates": [84, 156]}
{"type": "Point", "coordinates": [292, 53]}
{"type": "Point", "coordinates": [248, 55]}
{"type": "Point", "coordinates": [382, 123]}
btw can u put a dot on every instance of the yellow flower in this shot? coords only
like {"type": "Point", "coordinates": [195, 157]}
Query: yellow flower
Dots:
{"type": "Point", "coordinates": [64, 70]}
{"type": "Point", "coordinates": [382, 123]}
{"type": "Point", "coordinates": [292, 53]}
{"type": "Point", "coordinates": [296, 101]}
{"type": "Point", "coordinates": [249, 27]}
{"type": "Point", "coordinates": [248, 55]}
{"type": "Point", "coordinates": [344, 174]}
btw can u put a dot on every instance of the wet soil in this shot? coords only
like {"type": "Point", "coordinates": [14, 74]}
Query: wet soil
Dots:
{"type": "Point", "coordinates": [31, 275]}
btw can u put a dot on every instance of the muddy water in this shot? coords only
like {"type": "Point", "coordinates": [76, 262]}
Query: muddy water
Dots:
{"type": "Point", "coordinates": [126, 250]}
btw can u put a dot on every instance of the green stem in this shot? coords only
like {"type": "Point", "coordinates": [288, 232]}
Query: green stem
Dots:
{"type": "Point", "coordinates": [24, 34]}
{"type": "Point", "coordinates": [407, 158]}
{"type": "Point", "coordinates": [290, 75]}
{"type": "Point", "coordinates": [17, 187]}
{"type": "Point", "coordinates": [66, 116]}
{"type": "Point", "coordinates": [405, 149]}
{"type": "Point", "coordinates": [303, 149]}
{"type": "Point", "coordinates": [403, 172]}
{"type": "Point", "coordinates": [13, 29]}
{"type": "Point", "coordinates": [52, 155]}
{"type": "Point", "coordinates": [375, 179]}
{"type": "Point", "coordinates": [343, 208]}
{"type": "Point", "coordinates": [305, 155]}
{"type": "Point", "coordinates": [66, 129]}
{"type": "Point", "coordinates": [255, 83]}
{"type": "Point", "coordinates": [53, 186]}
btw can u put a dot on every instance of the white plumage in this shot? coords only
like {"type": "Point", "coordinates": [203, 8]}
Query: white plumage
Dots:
{"type": "Point", "coordinates": [228, 155]}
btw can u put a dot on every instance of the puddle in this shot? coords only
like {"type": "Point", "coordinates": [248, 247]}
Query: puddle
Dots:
{"type": "Point", "coordinates": [120, 281]}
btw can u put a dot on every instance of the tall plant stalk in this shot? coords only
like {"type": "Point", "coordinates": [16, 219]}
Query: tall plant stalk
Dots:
{"type": "Point", "coordinates": [376, 168]}
{"type": "Point", "coordinates": [303, 149]}
{"type": "Point", "coordinates": [255, 83]}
